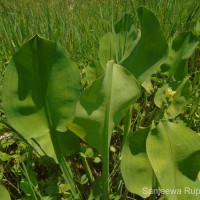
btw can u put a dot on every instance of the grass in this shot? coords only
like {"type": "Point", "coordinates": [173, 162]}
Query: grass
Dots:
{"type": "Point", "coordinates": [78, 25]}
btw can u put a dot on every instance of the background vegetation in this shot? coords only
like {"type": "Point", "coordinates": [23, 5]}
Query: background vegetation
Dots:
{"type": "Point", "coordinates": [78, 25]}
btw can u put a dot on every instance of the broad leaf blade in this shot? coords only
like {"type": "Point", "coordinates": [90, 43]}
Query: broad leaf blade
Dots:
{"type": "Point", "coordinates": [151, 50]}
{"type": "Point", "coordinates": [4, 193]}
{"type": "Point", "coordinates": [181, 49]}
{"type": "Point", "coordinates": [126, 36]}
{"type": "Point", "coordinates": [135, 166]}
{"type": "Point", "coordinates": [106, 49]}
{"type": "Point", "coordinates": [118, 45]}
{"type": "Point", "coordinates": [41, 88]}
{"type": "Point", "coordinates": [174, 153]}
{"type": "Point", "coordinates": [103, 104]}
{"type": "Point", "coordinates": [93, 71]}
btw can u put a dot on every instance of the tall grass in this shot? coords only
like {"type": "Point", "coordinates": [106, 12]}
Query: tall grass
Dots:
{"type": "Point", "coordinates": [78, 25]}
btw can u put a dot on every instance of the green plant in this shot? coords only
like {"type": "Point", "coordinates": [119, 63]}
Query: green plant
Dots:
{"type": "Point", "coordinates": [4, 193]}
{"type": "Point", "coordinates": [43, 100]}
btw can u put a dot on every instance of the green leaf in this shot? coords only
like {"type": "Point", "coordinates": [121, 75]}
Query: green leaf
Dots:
{"type": "Point", "coordinates": [174, 153]}
{"type": "Point", "coordinates": [151, 50]}
{"type": "Point", "coordinates": [126, 36]}
{"type": "Point", "coordinates": [100, 108]}
{"type": "Point", "coordinates": [64, 187]}
{"type": "Point", "coordinates": [160, 98]}
{"type": "Point", "coordinates": [41, 86]}
{"type": "Point", "coordinates": [84, 179]}
{"type": "Point", "coordinates": [148, 86]}
{"type": "Point", "coordinates": [102, 105]}
{"type": "Point", "coordinates": [106, 49]}
{"type": "Point", "coordinates": [4, 193]}
{"type": "Point", "coordinates": [142, 53]}
{"type": "Point", "coordinates": [25, 187]}
{"type": "Point", "coordinates": [4, 156]}
{"type": "Point", "coordinates": [40, 90]}
{"type": "Point", "coordinates": [27, 184]}
{"type": "Point", "coordinates": [97, 160]}
{"type": "Point", "coordinates": [197, 28]}
{"type": "Point", "coordinates": [135, 166]}
{"type": "Point", "coordinates": [93, 71]}
{"type": "Point", "coordinates": [119, 44]}
{"type": "Point", "coordinates": [181, 49]}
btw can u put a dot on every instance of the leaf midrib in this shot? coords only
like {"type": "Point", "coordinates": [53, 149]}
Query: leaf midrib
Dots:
{"type": "Point", "coordinates": [39, 82]}
{"type": "Point", "coordinates": [108, 104]}
{"type": "Point", "coordinates": [171, 151]}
